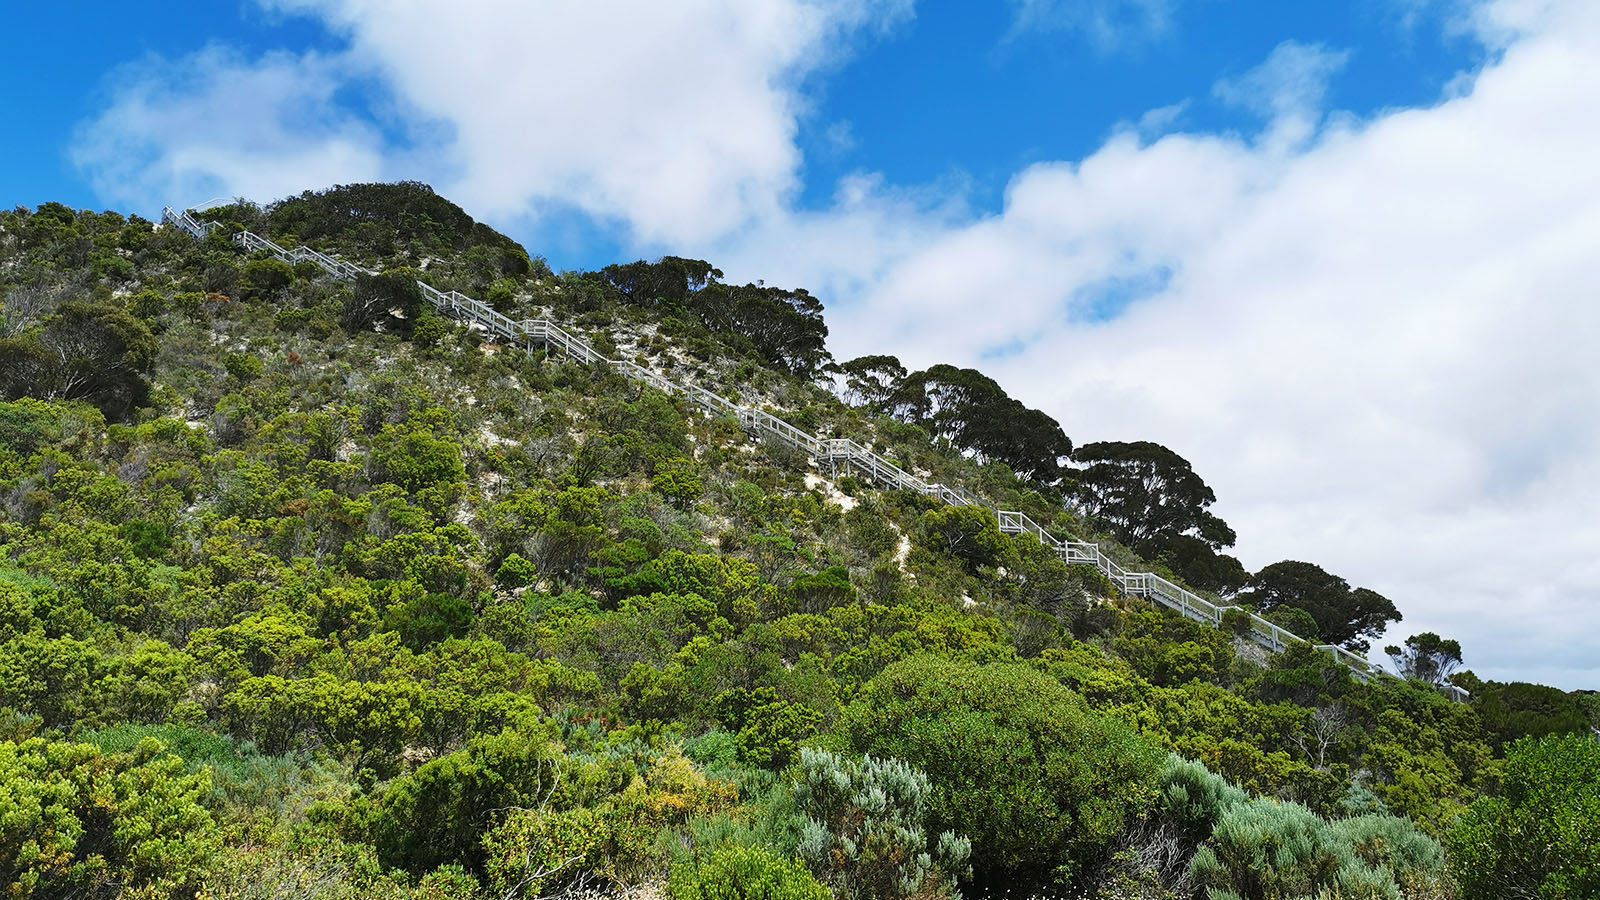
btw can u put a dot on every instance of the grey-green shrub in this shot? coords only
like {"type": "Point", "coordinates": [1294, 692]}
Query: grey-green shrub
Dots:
{"type": "Point", "coordinates": [1194, 798]}
{"type": "Point", "coordinates": [1269, 850]}
{"type": "Point", "coordinates": [867, 832]}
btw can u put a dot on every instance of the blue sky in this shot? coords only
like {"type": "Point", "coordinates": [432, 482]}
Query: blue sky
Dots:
{"type": "Point", "coordinates": [1340, 255]}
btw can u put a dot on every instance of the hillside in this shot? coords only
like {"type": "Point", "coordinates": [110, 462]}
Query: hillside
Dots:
{"type": "Point", "coordinates": [310, 590]}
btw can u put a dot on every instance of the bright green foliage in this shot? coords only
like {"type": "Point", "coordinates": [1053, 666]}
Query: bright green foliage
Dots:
{"type": "Point", "coordinates": [745, 873]}
{"type": "Point", "coordinates": [968, 533]}
{"type": "Point", "coordinates": [418, 457]}
{"type": "Point", "coordinates": [1540, 837]}
{"type": "Point", "coordinates": [678, 480]}
{"type": "Point", "coordinates": [1037, 781]}
{"type": "Point", "coordinates": [28, 424]}
{"type": "Point", "coordinates": [768, 729]}
{"type": "Point", "coordinates": [516, 572]}
{"type": "Point", "coordinates": [75, 822]}
{"type": "Point", "coordinates": [438, 813]}
{"type": "Point", "coordinates": [868, 832]}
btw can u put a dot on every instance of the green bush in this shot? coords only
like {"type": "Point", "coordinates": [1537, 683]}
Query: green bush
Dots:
{"type": "Point", "coordinates": [264, 278]}
{"type": "Point", "coordinates": [416, 458]}
{"type": "Point", "coordinates": [745, 873]}
{"type": "Point", "coordinates": [1541, 836]}
{"type": "Point", "coordinates": [439, 813]}
{"type": "Point", "coordinates": [767, 728]}
{"type": "Point", "coordinates": [76, 822]}
{"type": "Point", "coordinates": [516, 572]}
{"type": "Point", "coordinates": [27, 425]}
{"type": "Point", "coordinates": [242, 366]}
{"type": "Point", "coordinates": [1017, 761]}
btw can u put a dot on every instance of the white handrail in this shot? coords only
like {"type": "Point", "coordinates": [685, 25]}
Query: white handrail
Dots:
{"type": "Point", "coordinates": [840, 454]}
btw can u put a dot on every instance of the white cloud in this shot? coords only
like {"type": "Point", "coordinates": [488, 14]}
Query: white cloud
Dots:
{"type": "Point", "coordinates": [1376, 341]}
{"type": "Point", "coordinates": [216, 124]}
{"type": "Point", "coordinates": [1108, 24]}
{"type": "Point", "coordinates": [675, 121]}
{"type": "Point", "coordinates": [1289, 86]}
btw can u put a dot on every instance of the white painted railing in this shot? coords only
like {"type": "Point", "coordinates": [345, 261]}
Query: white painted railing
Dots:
{"type": "Point", "coordinates": [839, 454]}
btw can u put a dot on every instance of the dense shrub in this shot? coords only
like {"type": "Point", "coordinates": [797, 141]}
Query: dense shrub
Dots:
{"type": "Point", "coordinates": [1017, 762]}
{"type": "Point", "coordinates": [745, 873]}
{"type": "Point", "coordinates": [262, 279]}
{"type": "Point", "coordinates": [75, 822]}
{"type": "Point", "coordinates": [1541, 836]}
{"type": "Point", "coordinates": [439, 813]}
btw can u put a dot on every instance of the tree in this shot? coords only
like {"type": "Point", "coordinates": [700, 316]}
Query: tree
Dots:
{"type": "Point", "coordinates": [1541, 836]}
{"type": "Point", "coordinates": [1344, 616]}
{"type": "Point", "coordinates": [870, 381]}
{"type": "Point", "coordinates": [1152, 500]}
{"type": "Point", "coordinates": [1426, 657]}
{"type": "Point", "coordinates": [85, 351]}
{"type": "Point", "coordinates": [1197, 562]}
{"type": "Point", "coordinates": [389, 300]}
{"type": "Point", "coordinates": [665, 283]}
{"type": "Point", "coordinates": [784, 326]}
{"type": "Point", "coordinates": [972, 412]}
{"type": "Point", "coordinates": [968, 533]}
{"type": "Point", "coordinates": [1016, 760]}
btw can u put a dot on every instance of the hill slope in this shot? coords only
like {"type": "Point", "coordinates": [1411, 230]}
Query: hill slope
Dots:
{"type": "Point", "coordinates": [409, 610]}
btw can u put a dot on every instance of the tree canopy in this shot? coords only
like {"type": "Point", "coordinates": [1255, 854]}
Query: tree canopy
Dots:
{"type": "Point", "coordinates": [1344, 615]}
{"type": "Point", "coordinates": [1153, 501]}
{"type": "Point", "coordinates": [784, 328]}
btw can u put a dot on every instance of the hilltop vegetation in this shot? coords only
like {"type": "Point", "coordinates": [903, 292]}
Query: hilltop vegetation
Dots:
{"type": "Point", "coordinates": [306, 591]}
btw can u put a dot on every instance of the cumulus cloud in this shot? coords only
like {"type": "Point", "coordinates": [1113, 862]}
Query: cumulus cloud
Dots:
{"type": "Point", "coordinates": [1376, 341]}
{"type": "Point", "coordinates": [218, 124]}
{"type": "Point", "coordinates": [670, 121]}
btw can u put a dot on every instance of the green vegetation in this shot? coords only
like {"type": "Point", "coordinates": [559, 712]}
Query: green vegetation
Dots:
{"type": "Point", "coordinates": [1540, 837]}
{"type": "Point", "coordinates": [306, 591]}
